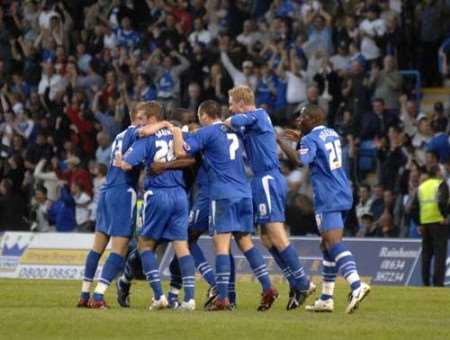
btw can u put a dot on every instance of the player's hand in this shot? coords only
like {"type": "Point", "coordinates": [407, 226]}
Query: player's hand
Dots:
{"type": "Point", "coordinates": [167, 124]}
{"type": "Point", "coordinates": [403, 99]}
{"type": "Point", "coordinates": [156, 168]}
{"type": "Point", "coordinates": [292, 135]}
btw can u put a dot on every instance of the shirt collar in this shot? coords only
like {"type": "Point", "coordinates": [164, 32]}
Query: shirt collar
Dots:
{"type": "Point", "coordinates": [319, 127]}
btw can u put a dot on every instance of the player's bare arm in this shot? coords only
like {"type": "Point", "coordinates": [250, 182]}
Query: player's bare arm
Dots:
{"type": "Point", "coordinates": [292, 135]}
{"type": "Point", "coordinates": [151, 129]}
{"type": "Point", "coordinates": [159, 167]}
{"type": "Point", "coordinates": [178, 142]}
{"type": "Point", "coordinates": [289, 151]}
{"type": "Point", "coordinates": [227, 122]}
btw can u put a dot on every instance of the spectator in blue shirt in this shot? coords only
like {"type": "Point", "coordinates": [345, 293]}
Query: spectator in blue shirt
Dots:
{"type": "Point", "coordinates": [126, 37]}
{"type": "Point", "coordinates": [439, 143]}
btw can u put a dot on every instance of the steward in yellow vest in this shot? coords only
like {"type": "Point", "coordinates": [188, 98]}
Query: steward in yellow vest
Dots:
{"type": "Point", "coordinates": [430, 211]}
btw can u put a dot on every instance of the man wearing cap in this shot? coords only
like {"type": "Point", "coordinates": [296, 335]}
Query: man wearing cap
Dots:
{"type": "Point", "coordinates": [430, 211]}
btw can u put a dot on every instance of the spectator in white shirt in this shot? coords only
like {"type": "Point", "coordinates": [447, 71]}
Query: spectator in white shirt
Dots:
{"type": "Point", "coordinates": [39, 211]}
{"type": "Point", "coordinates": [341, 60]}
{"type": "Point", "coordinates": [49, 80]}
{"type": "Point", "coordinates": [364, 203]}
{"type": "Point", "coordinates": [248, 36]}
{"type": "Point", "coordinates": [46, 172]}
{"type": "Point", "coordinates": [46, 14]}
{"type": "Point", "coordinates": [103, 153]}
{"type": "Point", "coordinates": [372, 28]}
{"type": "Point", "coordinates": [98, 171]}
{"type": "Point", "coordinates": [109, 37]}
{"type": "Point", "coordinates": [82, 202]}
{"type": "Point", "coordinates": [199, 35]}
{"type": "Point", "coordinates": [296, 85]}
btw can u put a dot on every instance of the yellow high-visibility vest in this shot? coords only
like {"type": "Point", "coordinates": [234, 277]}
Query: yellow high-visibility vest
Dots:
{"type": "Point", "coordinates": [428, 200]}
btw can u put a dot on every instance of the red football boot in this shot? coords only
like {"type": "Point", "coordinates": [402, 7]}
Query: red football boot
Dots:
{"type": "Point", "coordinates": [83, 303]}
{"type": "Point", "coordinates": [268, 297]}
{"type": "Point", "coordinates": [97, 304]}
{"type": "Point", "coordinates": [219, 305]}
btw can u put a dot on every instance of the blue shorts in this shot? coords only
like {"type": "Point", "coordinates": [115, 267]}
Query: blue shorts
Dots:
{"type": "Point", "coordinates": [329, 220]}
{"type": "Point", "coordinates": [199, 215]}
{"type": "Point", "coordinates": [165, 214]}
{"type": "Point", "coordinates": [269, 197]}
{"type": "Point", "coordinates": [231, 215]}
{"type": "Point", "coordinates": [116, 212]}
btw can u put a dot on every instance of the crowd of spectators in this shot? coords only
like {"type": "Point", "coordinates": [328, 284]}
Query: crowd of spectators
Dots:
{"type": "Point", "coordinates": [71, 70]}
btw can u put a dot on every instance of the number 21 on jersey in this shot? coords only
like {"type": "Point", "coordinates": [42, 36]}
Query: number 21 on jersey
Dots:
{"type": "Point", "coordinates": [165, 151]}
{"type": "Point", "coordinates": [334, 154]}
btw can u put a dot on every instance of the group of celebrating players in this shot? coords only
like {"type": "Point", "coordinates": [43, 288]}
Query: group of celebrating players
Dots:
{"type": "Point", "coordinates": [227, 204]}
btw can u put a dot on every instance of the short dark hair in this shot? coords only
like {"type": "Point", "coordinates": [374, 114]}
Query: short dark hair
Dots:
{"type": "Point", "coordinates": [433, 171]}
{"type": "Point", "coordinates": [366, 186]}
{"type": "Point", "coordinates": [42, 189]}
{"type": "Point", "coordinates": [211, 108]}
{"type": "Point", "coordinates": [433, 153]}
{"type": "Point", "coordinates": [379, 100]}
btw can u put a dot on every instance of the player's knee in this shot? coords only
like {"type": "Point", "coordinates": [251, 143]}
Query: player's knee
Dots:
{"type": "Point", "coordinates": [120, 245]}
{"type": "Point", "coordinates": [100, 242]}
{"type": "Point", "coordinates": [181, 248]}
{"type": "Point", "coordinates": [145, 245]}
{"type": "Point", "coordinates": [244, 241]}
{"type": "Point", "coordinates": [331, 238]}
{"type": "Point", "coordinates": [277, 235]}
{"type": "Point", "coordinates": [265, 240]}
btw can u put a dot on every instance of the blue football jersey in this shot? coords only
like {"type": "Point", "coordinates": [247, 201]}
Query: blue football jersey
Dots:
{"type": "Point", "coordinates": [116, 176]}
{"type": "Point", "coordinates": [259, 140]}
{"type": "Point", "coordinates": [321, 150]}
{"type": "Point", "coordinates": [156, 148]}
{"type": "Point", "coordinates": [222, 155]}
{"type": "Point", "coordinates": [201, 180]}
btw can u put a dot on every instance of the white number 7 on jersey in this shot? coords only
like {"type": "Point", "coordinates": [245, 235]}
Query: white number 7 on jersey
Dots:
{"type": "Point", "coordinates": [234, 145]}
{"type": "Point", "coordinates": [334, 154]}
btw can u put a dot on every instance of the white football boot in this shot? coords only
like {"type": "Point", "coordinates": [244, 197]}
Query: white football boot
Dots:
{"type": "Point", "coordinates": [162, 303]}
{"type": "Point", "coordinates": [321, 306]}
{"type": "Point", "coordinates": [357, 297]}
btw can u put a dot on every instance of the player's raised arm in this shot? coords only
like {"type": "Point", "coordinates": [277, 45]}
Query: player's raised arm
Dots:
{"type": "Point", "coordinates": [186, 145]}
{"type": "Point", "coordinates": [242, 104]}
{"type": "Point", "coordinates": [289, 151]}
{"type": "Point", "coordinates": [238, 120]}
{"type": "Point", "coordinates": [178, 143]}
{"type": "Point", "coordinates": [151, 129]}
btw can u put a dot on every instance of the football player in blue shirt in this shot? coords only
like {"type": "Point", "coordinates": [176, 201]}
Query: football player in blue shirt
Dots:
{"type": "Point", "coordinates": [320, 149]}
{"type": "Point", "coordinates": [269, 188]}
{"type": "Point", "coordinates": [231, 210]}
{"type": "Point", "coordinates": [165, 214]}
{"type": "Point", "coordinates": [115, 215]}
{"type": "Point", "coordinates": [198, 224]}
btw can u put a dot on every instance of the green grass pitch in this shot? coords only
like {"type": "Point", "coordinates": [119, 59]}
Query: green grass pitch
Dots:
{"type": "Point", "coordinates": [45, 310]}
